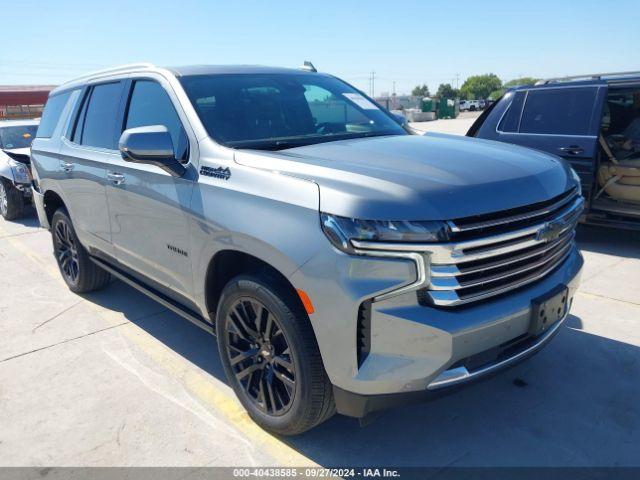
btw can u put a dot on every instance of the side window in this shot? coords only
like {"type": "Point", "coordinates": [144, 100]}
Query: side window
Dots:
{"type": "Point", "coordinates": [97, 121]}
{"type": "Point", "coordinates": [77, 132]}
{"type": "Point", "coordinates": [511, 119]}
{"type": "Point", "coordinates": [150, 105]}
{"type": "Point", "coordinates": [561, 111]}
{"type": "Point", "coordinates": [51, 114]}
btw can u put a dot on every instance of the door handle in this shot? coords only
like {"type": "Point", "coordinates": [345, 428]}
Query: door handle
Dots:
{"type": "Point", "coordinates": [67, 166]}
{"type": "Point", "coordinates": [115, 178]}
{"type": "Point", "coordinates": [572, 149]}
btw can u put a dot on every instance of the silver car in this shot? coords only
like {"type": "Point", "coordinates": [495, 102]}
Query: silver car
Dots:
{"type": "Point", "coordinates": [15, 171]}
{"type": "Point", "coordinates": [344, 263]}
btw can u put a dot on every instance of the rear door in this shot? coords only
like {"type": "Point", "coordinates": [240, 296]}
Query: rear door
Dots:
{"type": "Point", "coordinates": [564, 120]}
{"type": "Point", "coordinates": [88, 148]}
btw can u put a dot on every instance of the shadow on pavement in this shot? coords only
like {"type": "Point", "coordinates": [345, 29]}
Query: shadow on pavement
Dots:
{"type": "Point", "coordinates": [181, 336]}
{"type": "Point", "coordinates": [572, 404]}
{"type": "Point", "coordinates": [29, 219]}
{"type": "Point", "coordinates": [609, 241]}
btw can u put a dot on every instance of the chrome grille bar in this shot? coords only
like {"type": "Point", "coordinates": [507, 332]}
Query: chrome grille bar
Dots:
{"type": "Point", "coordinates": [479, 268]}
{"type": "Point", "coordinates": [454, 270]}
{"type": "Point", "coordinates": [514, 218]}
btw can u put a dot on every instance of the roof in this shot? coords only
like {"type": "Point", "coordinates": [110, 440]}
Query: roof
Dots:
{"type": "Point", "coordinates": [180, 71]}
{"type": "Point", "coordinates": [233, 69]}
{"type": "Point", "coordinates": [18, 123]}
{"type": "Point", "coordinates": [607, 77]}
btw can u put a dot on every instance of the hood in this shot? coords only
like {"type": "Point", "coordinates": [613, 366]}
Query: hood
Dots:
{"type": "Point", "coordinates": [436, 177]}
{"type": "Point", "coordinates": [22, 155]}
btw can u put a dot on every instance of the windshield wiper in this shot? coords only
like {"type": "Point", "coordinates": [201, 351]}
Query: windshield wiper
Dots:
{"type": "Point", "coordinates": [293, 142]}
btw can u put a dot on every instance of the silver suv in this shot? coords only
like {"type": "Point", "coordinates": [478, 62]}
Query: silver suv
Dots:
{"type": "Point", "coordinates": [343, 262]}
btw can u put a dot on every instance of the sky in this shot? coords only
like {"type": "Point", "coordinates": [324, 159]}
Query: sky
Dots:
{"type": "Point", "coordinates": [405, 43]}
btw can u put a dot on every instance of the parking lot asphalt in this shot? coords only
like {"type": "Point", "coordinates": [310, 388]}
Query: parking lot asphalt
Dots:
{"type": "Point", "coordinates": [112, 378]}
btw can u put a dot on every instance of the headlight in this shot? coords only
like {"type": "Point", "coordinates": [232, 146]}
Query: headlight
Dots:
{"type": "Point", "coordinates": [341, 230]}
{"type": "Point", "coordinates": [576, 177]}
{"type": "Point", "coordinates": [20, 172]}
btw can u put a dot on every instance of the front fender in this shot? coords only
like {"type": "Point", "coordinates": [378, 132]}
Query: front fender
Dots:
{"type": "Point", "coordinates": [270, 216]}
{"type": "Point", "coordinates": [6, 171]}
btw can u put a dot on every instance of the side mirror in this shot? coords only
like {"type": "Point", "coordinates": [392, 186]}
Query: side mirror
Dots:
{"type": "Point", "coordinates": [150, 145]}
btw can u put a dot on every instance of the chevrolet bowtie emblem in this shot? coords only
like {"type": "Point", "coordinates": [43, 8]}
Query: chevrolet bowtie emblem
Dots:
{"type": "Point", "coordinates": [551, 231]}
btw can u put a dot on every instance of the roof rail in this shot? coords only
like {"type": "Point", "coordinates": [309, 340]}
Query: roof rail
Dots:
{"type": "Point", "coordinates": [589, 76]}
{"type": "Point", "coordinates": [116, 69]}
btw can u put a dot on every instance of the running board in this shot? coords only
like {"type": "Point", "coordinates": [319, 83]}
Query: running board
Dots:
{"type": "Point", "coordinates": [157, 296]}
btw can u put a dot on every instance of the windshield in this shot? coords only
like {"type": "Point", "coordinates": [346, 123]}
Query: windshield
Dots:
{"type": "Point", "coordinates": [278, 111]}
{"type": "Point", "coordinates": [19, 136]}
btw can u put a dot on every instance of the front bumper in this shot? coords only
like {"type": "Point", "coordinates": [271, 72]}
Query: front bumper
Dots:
{"type": "Point", "coordinates": [415, 351]}
{"type": "Point", "coordinates": [356, 405]}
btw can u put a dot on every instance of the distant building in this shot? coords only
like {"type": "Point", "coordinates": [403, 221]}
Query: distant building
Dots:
{"type": "Point", "coordinates": [23, 101]}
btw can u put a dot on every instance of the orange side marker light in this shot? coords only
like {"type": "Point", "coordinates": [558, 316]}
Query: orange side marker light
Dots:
{"type": "Point", "coordinates": [306, 301]}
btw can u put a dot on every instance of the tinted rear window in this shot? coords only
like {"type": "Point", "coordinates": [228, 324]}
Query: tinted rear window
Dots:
{"type": "Point", "coordinates": [560, 111]}
{"type": "Point", "coordinates": [100, 119]}
{"type": "Point", "coordinates": [51, 114]}
{"type": "Point", "coordinates": [511, 119]}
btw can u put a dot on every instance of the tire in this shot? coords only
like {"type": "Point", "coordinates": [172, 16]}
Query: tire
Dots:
{"type": "Point", "coordinates": [259, 342]}
{"type": "Point", "coordinates": [78, 271]}
{"type": "Point", "coordinates": [11, 200]}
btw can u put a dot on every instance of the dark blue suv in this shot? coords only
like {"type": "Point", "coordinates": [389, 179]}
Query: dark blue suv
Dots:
{"type": "Point", "coordinates": [591, 121]}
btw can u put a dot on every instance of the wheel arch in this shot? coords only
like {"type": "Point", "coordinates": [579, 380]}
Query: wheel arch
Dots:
{"type": "Point", "coordinates": [52, 202]}
{"type": "Point", "coordinates": [229, 263]}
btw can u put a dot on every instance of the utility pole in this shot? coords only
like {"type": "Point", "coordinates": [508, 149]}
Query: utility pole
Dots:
{"type": "Point", "coordinates": [372, 84]}
{"type": "Point", "coordinates": [457, 80]}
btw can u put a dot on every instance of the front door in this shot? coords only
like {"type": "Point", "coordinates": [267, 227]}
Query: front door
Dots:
{"type": "Point", "coordinates": [147, 206]}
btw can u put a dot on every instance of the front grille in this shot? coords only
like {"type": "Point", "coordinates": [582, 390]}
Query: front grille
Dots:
{"type": "Point", "coordinates": [496, 253]}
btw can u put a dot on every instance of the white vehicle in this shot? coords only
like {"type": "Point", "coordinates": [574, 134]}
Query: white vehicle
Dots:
{"type": "Point", "coordinates": [470, 105]}
{"type": "Point", "coordinates": [15, 166]}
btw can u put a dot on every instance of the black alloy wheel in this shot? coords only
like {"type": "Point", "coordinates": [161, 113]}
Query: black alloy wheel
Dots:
{"type": "Point", "coordinates": [79, 272]}
{"type": "Point", "coordinates": [260, 356]}
{"type": "Point", "coordinates": [270, 355]}
{"type": "Point", "coordinates": [66, 251]}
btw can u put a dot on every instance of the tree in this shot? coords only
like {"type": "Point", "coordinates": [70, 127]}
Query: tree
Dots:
{"type": "Point", "coordinates": [445, 90]}
{"type": "Point", "coordinates": [521, 81]}
{"type": "Point", "coordinates": [420, 91]}
{"type": "Point", "coordinates": [480, 86]}
{"type": "Point", "coordinates": [512, 83]}
{"type": "Point", "coordinates": [496, 94]}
